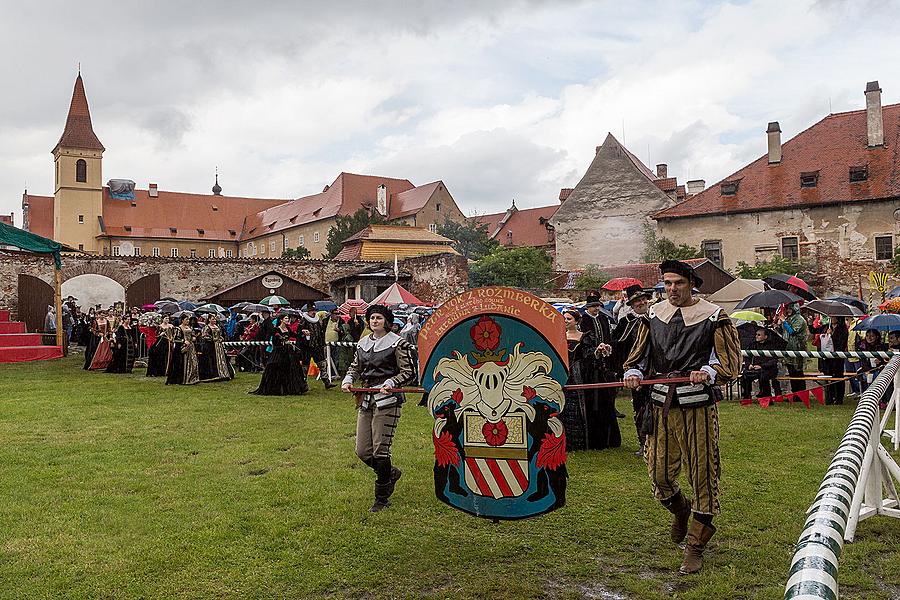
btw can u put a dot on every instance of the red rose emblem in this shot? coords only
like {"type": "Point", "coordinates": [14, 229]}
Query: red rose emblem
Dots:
{"type": "Point", "coordinates": [552, 453]}
{"type": "Point", "coordinates": [485, 334]}
{"type": "Point", "coordinates": [495, 433]}
{"type": "Point", "coordinates": [445, 451]}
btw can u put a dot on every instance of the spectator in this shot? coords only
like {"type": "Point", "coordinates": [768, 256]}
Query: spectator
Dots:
{"type": "Point", "coordinates": [867, 368]}
{"type": "Point", "coordinates": [762, 368]}
{"type": "Point", "coordinates": [796, 334]}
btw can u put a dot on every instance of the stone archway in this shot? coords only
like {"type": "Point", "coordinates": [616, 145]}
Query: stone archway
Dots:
{"type": "Point", "coordinates": [92, 289]}
{"type": "Point", "coordinates": [115, 270]}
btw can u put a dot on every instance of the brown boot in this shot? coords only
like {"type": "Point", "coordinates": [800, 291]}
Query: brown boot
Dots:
{"type": "Point", "coordinates": [697, 538]}
{"type": "Point", "coordinates": [679, 506]}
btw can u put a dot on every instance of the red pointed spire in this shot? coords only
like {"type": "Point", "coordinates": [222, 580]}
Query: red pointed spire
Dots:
{"type": "Point", "coordinates": [79, 133]}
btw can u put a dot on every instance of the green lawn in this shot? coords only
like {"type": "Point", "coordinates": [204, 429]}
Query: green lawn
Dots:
{"type": "Point", "coordinates": [116, 486]}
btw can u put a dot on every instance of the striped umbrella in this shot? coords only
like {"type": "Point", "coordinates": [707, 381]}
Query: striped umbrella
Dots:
{"type": "Point", "coordinates": [211, 309]}
{"type": "Point", "coordinates": [274, 301]}
{"type": "Point", "coordinates": [358, 303]}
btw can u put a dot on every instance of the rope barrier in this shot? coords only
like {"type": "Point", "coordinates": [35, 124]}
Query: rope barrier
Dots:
{"type": "Point", "coordinates": [819, 354]}
{"type": "Point", "coordinates": [814, 566]}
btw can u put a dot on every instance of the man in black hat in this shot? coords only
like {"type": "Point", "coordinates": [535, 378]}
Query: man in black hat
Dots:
{"type": "Point", "coordinates": [623, 337]}
{"type": "Point", "coordinates": [312, 327]}
{"type": "Point", "coordinates": [600, 405]}
{"type": "Point", "coordinates": [684, 336]}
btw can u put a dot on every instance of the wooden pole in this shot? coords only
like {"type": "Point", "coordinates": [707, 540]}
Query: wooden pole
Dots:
{"type": "Point", "coordinates": [57, 296]}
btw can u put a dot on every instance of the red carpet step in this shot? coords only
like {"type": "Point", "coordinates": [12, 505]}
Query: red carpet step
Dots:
{"type": "Point", "coordinates": [19, 339]}
{"type": "Point", "coordinates": [18, 346]}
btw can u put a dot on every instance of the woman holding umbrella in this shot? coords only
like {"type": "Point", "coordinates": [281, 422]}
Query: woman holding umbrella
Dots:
{"type": "Point", "coordinates": [834, 367]}
{"type": "Point", "coordinates": [796, 334]}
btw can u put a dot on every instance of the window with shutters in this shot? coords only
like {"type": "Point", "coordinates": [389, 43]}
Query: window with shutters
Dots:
{"type": "Point", "coordinates": [115, 250]}
{"type": "Point", "coordinates": [155, 251]}
{"type": "Point", "coordinates": [211, 253]}
{"type": "Point", "coordinates": [174, 253]}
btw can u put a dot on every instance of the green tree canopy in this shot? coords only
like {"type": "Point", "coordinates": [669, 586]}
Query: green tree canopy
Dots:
{"type": "Point", "coordinates": [761, 270]}
{"type": "Point", "coordinates": [345, 226]}
{"type": "Point", "coordinates": [524, 267]}
{"type": "Point", "coordinates": [592, 278]}
{"type": "Point", "coordinates": [301, 252]}
{"type": "Point", "coordinates": [658, 249]}
{"type": "Point", "coordinates": [470, 239]}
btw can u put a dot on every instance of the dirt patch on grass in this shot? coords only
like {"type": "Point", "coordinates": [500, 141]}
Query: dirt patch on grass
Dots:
{"type": "Point", "coordinates": [557, 590]}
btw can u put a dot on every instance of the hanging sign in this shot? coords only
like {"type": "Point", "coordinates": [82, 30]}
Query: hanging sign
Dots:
{"type": "Point", "coordinates": [272, 282]}
{"type": "Point", "coordinates": [494, 361]}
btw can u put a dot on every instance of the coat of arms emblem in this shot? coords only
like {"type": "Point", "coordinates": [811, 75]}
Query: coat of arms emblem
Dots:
{"type": "Point", "coordinates": [493, 361]}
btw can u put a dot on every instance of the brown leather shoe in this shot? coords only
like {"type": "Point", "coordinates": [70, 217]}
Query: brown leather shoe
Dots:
{"type": "Point", "coordinates": [697, 538]}
{"type": "Point", "coordinates": [679, 506]}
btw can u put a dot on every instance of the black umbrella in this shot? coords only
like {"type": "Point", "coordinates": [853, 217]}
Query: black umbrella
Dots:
{"type": "Point", "coordinates": [790, 283]}
{"type": "Point", "coordinates": [167, 308]}
{"type": "Point", "coordinates": [833, 308]}
{"type": "Point", "coordinates": [851, 301]}
{"type": "Point", "coordinates": [767, 299]}
{"type": "Point", "coordinates": [252, 308]}
{"type": "Point", "coordinates": [183, 314]}
{"type": "Point", "coordinates": [240, 305]}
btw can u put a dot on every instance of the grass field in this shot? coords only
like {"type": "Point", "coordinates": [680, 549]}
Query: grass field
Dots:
{"type": "Point", "coordinates": [116, 486]}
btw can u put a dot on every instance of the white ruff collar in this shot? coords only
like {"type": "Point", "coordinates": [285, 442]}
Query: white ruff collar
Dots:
{"type": "Point", "coordinates": [665, 310]}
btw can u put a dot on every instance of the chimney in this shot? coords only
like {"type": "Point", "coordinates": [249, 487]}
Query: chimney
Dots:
{"type": "Point", "coordinates": [381, 200]}
{"type": "Point", "coordinates": [662, 170]}
{"type": "Point", "coordinates": [773, 131]}
{"type": "Point", "coordinates": [874, 120]}
{"type": "Point", "coordinates": [564, 194]}
{"type": "Point", "coordinates": [153, 190]}
{"type": "Point", "coordinates": [695, 186]}
{"type": "Point", "coordinates": [597, 150]}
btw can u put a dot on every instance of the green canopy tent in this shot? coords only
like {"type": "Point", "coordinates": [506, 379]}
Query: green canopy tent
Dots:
{"type": "Point", "coordinates": [19, 238]}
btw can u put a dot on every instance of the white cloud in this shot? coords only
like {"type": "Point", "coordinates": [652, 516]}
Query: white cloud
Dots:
{"type": "Point", "coordinates": [500, 100]}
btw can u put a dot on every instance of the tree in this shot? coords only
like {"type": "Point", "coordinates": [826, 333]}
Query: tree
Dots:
{"type": "Point", "coordinates": [345, 226]}
{"type": "Point", "coordinates": [592, 278]}
{"type": "Point", "coordinates": [299, 253]}
{"type": "Point", "coordinates": [523, 267]}
{"type": "Point", "coordinates": [470, 239]}
{"type": "Point", "coordinates": [761, 270]}
{"type": "Point", "coordinates": [658, 249]}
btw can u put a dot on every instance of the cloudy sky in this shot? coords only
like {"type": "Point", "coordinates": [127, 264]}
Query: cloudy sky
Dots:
{"type": "Point", "coordinates": [500, 100]}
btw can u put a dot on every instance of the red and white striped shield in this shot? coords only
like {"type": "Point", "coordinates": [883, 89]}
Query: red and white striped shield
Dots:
{"type": "Point", "coordinates": [500, 478]}
{"type": "Point", "coordinates": [496, 456]}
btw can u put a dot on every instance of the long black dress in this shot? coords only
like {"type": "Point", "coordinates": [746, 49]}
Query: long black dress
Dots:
{"type": "Point", "coordinates": [93, 340]}
{"type": "Point", "coordinates": [212, 360]}
{"type": "Point", "coordinates": [183, 359]}
{"type": "Point", "coordinates": [283, 375]}
{"type": "Point", "coordinates": [572, 416]}
{"type": "Point", "coordinates": [122, 352]}
{"type": "Point", "coordinates": [158, 355]}
{"type": "Point", "coordinates": [600, 405]}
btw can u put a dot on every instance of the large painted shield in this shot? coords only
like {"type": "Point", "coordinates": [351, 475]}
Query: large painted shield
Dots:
{"type": "Point", "coordinates": [494, 361]}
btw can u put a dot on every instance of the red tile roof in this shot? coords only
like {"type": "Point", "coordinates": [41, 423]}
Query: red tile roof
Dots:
{"type": "Point", "coordinates": [667, 185]}
{"type": "Point", "coordinates": [412, 201]}
{"type": "Point", "coordinates": [647, 273]}
{"type": "Point", "coordinates": [79, 133]}
{"type": "Point", "coordinates": [528, 226]}
{"type": "Point", "coordinates": [832, 146]}
{"type": "Point", "coordinates": [400, 234]}
{"type": "Point", "coordinates": [40, 214]}
{"type": "Point", "coordinates": [345, 196]}
{"type": "Point", "coordinates": [216, 216]}
{"type": "Point", "coordinates": [8, 219]}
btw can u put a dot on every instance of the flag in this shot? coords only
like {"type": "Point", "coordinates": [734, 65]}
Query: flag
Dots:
{"type": "Point", "coordinates": [819, 393]}
{"type": "Point", "coordinates": [313, 369]}
{"type": "Point", "coordinates": [746, 402]}
{"type": "Point", "coordinates": [765, 401]}
{"type": "Point", "coordinates": [804, 397]}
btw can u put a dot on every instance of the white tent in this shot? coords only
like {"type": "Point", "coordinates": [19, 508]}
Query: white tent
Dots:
{"type": "Point", "coordinates": [734, 292]}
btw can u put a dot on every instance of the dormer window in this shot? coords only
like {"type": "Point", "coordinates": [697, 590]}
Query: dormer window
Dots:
{"type": "Point", "coordinates": [859, 173]}
{"type": "Point", "coordinates": [293, 219]}
{"type": "Point", "coordinates": [173, 230]}
{"type": "Point", "coordinates": [232, 232]}
{"type": "Point", "coordinates": [809, 180]}
{"type": "Point", "coordinates": [200, 231]}
{"type": "Point", "coordinates": [128, 228]}
{"type": "Point", "coordinates": [509, 237]}
{"type": "Point", "coordinates": [729, 188]}
{"type": "Point", "coordinates": [215, 208]}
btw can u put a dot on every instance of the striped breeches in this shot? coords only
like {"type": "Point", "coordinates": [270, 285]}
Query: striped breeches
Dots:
{"type": "Point", "coordinates": [689, 437]}
{"type": "Point", "coordinates": [375, 431]}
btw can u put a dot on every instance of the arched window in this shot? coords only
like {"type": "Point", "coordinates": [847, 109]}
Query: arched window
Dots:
{"type": "Point", "coordinates": [81, 171]}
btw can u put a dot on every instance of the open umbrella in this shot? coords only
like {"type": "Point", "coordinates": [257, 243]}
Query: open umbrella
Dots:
{"type": "Point", "coordinates": [291, 312]}
{"type": "Point", "coordinates": [149, 307]}
{"type": "Point", "coordinates": [620, 283]}
{"type": "Point", "coordinates": [214, 309]}
{"type": "Point", "coordinates": [851, 301]}
{"type": "Point", "coordinates": [888, 322]}
{"type": "Point", "coordinates": [790, 283]}
{"type": "Point", "coordinates": [326, 305]}
{"type": "Point", "coordinates": [894, 293]}
{"type": "Point", "coordinates": [183, 314]}
{"type": "Point", "coordinates": [185, 305]}
{"type": "Point", "coordinates": [833, 308]}
{"type": "Point", "coordinates": [767, 299]}
{"type": "Point", "coordinates": [747, 315]}
{"type": "Point", "coordinates": [358, 303]}
{"type": "Point", "coordinates": [252, 308]}
{"type": "Point", "coordinates": [274, 301]}
{"type": "Point", "coordinates": [167, 308]}
{"type": "Point", "coordinates": [239, 305]}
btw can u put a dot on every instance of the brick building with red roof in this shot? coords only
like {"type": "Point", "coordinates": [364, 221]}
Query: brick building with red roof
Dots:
{"type": "Point", "coordinates": [117, 219]}
{"type": "Point", "coordinates": [828, 197]}
{"type": "Point", "coordinates": [522, 227]}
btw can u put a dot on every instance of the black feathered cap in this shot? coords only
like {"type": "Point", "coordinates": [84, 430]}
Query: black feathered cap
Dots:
{"type": "Point", "coordinates": [635, 292]}
{"type": "Point", "coordinates": [387, 313]}
{"type": "Point", "coordinates": [683, 269]}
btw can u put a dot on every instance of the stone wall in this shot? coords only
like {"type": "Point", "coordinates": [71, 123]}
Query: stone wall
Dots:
{"type": "Point", "coordinates": [435, 277]}
{"type": "Point", "coordinates": [836, 242]}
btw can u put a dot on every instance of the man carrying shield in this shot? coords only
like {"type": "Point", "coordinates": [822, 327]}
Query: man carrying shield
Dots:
{"type": "Point", "coordinates": [684, 336]}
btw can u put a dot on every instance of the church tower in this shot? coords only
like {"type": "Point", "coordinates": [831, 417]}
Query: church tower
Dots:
{"type": "Point", "coordinates": [78, 187]}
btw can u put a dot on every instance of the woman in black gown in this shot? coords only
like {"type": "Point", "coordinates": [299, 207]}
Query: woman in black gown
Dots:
{"type": "Point", "coordinates": [214, 364]}
{"type": "Point", "coordinates": [122, 349]}
{"type": "Point", "coordinates": [572, 416]}
{"type": "Point", "coordinates": [158, 355]}
{"type": "Point", "coordinates": [283, 374]}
